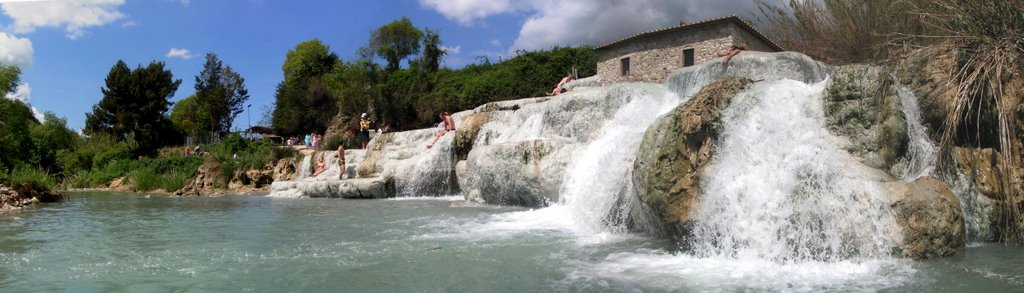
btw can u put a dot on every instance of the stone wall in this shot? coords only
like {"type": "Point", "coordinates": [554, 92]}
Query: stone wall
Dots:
{"type": "Point", "coordinates": [655, 64]}
{"type": "Point", "coordinates": [653, 57]}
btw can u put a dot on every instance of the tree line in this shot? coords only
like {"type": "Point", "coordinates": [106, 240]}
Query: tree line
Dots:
{"type": "Point", "coordinates": [318, 86]}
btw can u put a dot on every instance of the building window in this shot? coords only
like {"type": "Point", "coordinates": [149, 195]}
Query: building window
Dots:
{"type": "Point", "coordinates": [688, 57]}
{"type": "Point", "coordinates": [624, 64]}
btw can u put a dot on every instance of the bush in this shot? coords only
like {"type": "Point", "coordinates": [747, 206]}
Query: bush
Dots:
{"type": "Point", "coordinates": [331, 143]}
{"type": "Point", "coordinates": [27, 175]}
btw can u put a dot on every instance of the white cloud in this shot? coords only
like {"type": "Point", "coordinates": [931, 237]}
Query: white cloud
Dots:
{"type": "Point", "coordinates": [73, 16]}
{"type": "Point", "coordinates": [496, 43]}
{"type": "Point", "coordinates": [15, 50]}
{"type": "Point", "coordinates": [179, 53]}
{"type": "Point", "coordinates": [452, 50]}
{"type": "Point", "coordinates": [23, 93]}
{"type": "Point", "coordinates": [587, 22]}
{"type": "Point", "coordinates": [129, 23]}
{"type": "Point", "coordinates": [466, 11]}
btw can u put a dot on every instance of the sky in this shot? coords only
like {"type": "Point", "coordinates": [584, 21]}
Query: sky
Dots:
{"type": "Point", "coordinates": [65, 48]}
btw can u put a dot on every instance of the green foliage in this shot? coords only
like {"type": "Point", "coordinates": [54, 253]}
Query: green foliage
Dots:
{"type": "Point", "coordinates": [396, 41]}
{"type": "Point", "coordinates": [34, 176]}
{"type": "Point", "coordinates": [15, 141]}
{"type": "Point", "coordinates": [220, 96]}
{"type": "Point", "coordinates": [133, 105]}
{"type": "Point", "coordinates": [169, 173]}
{"type": "Point", "coordinates": [303, 102]}
{"type": "Point", "coordinates": [331, 143]}
{"type": "Point", "coordinates": [185, 117]}
{"type": "Point", "coordinates": [9, 78]}
{"type": "Point", "coordinates": [49, 140]}
{"type": "Point", "coordinates": [410, 99]}
{"type": "Point", "coordinates": [430, 61]}
{"type": "Point", "coordinates": [234, 154]}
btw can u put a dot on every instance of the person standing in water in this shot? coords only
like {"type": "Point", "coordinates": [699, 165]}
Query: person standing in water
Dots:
{"type": "Point", "coordinates": [449, 125]}
{"type": "Point", "coordinates": [341, 161]}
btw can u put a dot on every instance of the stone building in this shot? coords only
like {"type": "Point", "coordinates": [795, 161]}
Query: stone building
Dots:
{"type": "Point", "coordinates": [651, 56]}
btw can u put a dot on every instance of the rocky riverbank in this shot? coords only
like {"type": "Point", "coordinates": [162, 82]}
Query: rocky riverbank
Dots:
{"type": "Point", "coordinates": [21, 195]}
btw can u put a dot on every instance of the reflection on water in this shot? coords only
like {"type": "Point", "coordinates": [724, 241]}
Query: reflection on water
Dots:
{"type": "Point", "coordinates": [99, 242]}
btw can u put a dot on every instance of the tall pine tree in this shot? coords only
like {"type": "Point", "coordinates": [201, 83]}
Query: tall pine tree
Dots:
{"type": "Point", "coordinates": [220, 96]}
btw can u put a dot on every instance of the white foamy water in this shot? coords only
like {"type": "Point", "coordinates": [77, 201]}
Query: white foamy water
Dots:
{"type": "Point", "coordinates": [921, 151]}
{"type": "Point", "coordinates": [665, 271]}
{"type": "Point", "coordinates": [304, 166]}
{"type": "Point", "coordinates": [431, 174]}
{"type": "Point", "coordinates": [601, 169]}
{"type": "Point", "coordinates": [780, 188]}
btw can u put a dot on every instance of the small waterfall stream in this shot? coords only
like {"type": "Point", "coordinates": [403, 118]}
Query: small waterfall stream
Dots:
{"type": "Point", "coordinates": [304, 166]}
{"type": "Point", "coordinates": [921, 152]}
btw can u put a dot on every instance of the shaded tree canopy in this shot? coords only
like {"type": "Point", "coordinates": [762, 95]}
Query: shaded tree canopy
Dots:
{"type": "Point", "coordinates": [133, 106]}
{"type": "Point", "coordinates": [396, 41]}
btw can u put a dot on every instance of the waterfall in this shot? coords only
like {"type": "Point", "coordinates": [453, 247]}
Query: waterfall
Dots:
{"type": "Point", "coordinates": [781, 189]}
{"type": "Point", "coordinates": [921, 152]}
{"type": "Point", "coordinates": [922, 156]}
{"type": "Point", "coordinates": [601, 169]}
{"type": "Point", "coordinates": [304, 166]}
{"type": "Point", "coordinates": [431, 174]}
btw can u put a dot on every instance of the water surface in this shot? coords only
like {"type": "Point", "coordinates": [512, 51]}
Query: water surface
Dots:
{"type": "Point", "coordinates": [124, 242]}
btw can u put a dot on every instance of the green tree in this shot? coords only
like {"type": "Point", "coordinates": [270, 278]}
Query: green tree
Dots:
{"type": "Point", "coordinates": [49, 139]}
{"type": "Point", "coordinates": [185, 117]}
{"type": "Point", "coordinates": [220, 96]}
{"type": "Point", "coordinates": [15, 142]}
{"type": "Point", "coordinates": [9, 78]}
{"type": "Point", "coordinates": [303, 102]}
{"type": "Point", "coordinates": [396, 41]}
{"type": "Point", "coordinates": [430, 60]}
{"type": "Point", "coordinates": [133, 106]}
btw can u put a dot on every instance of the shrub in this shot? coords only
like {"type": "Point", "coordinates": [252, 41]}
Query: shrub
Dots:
{"type": "Point", "coordinates": [27, 175]}
{"type": "Point", "coordinates": [331, 143]}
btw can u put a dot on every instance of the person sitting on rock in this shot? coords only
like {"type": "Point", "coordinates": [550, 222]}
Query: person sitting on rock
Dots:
{"type": "Point", "coordinates": [321, 166]}
{"type": "Point", "coordinates": [449, 125]}
{"type": "Point", "coordinates": [732, 51]}
{"type": "Point", "coordinates": [560, 88]}
{"type": "Point", "coordinates": [341, 160]}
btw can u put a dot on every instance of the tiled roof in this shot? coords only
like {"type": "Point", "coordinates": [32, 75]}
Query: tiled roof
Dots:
{"type": "Point", "coordinates": [742, 23]}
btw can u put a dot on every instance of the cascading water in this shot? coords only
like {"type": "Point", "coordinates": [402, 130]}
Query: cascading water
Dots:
{"type": "Point", "coordinates": [781, 189]}
{"type": "Point", "coordinates": [304, 166]}
{"type": "Point", "coordinates": [921, 151]}
{"type": "Point", "coordinates": [922, 156]}
{"type": "Point", "coordinates": [601, 169]}
{"type": "Point", "coordinates": [431, 174]}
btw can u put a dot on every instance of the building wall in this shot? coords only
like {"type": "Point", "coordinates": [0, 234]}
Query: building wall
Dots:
{"type": "Point", "coordinates": [652, 58]}
{"type": "Point", "coordinates": [654, 65]}
{"type": "Point", "coordinates": [742, 36]}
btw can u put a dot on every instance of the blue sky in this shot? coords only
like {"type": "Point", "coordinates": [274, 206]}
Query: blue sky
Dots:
{"type": "Point", "coordinates": [66, 47]}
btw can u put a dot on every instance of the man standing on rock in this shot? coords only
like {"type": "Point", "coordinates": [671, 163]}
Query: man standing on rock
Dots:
{"type": "Point", "coordinates": [364, 130]}
{"type": "Point", "coordinates": [449, 125]}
